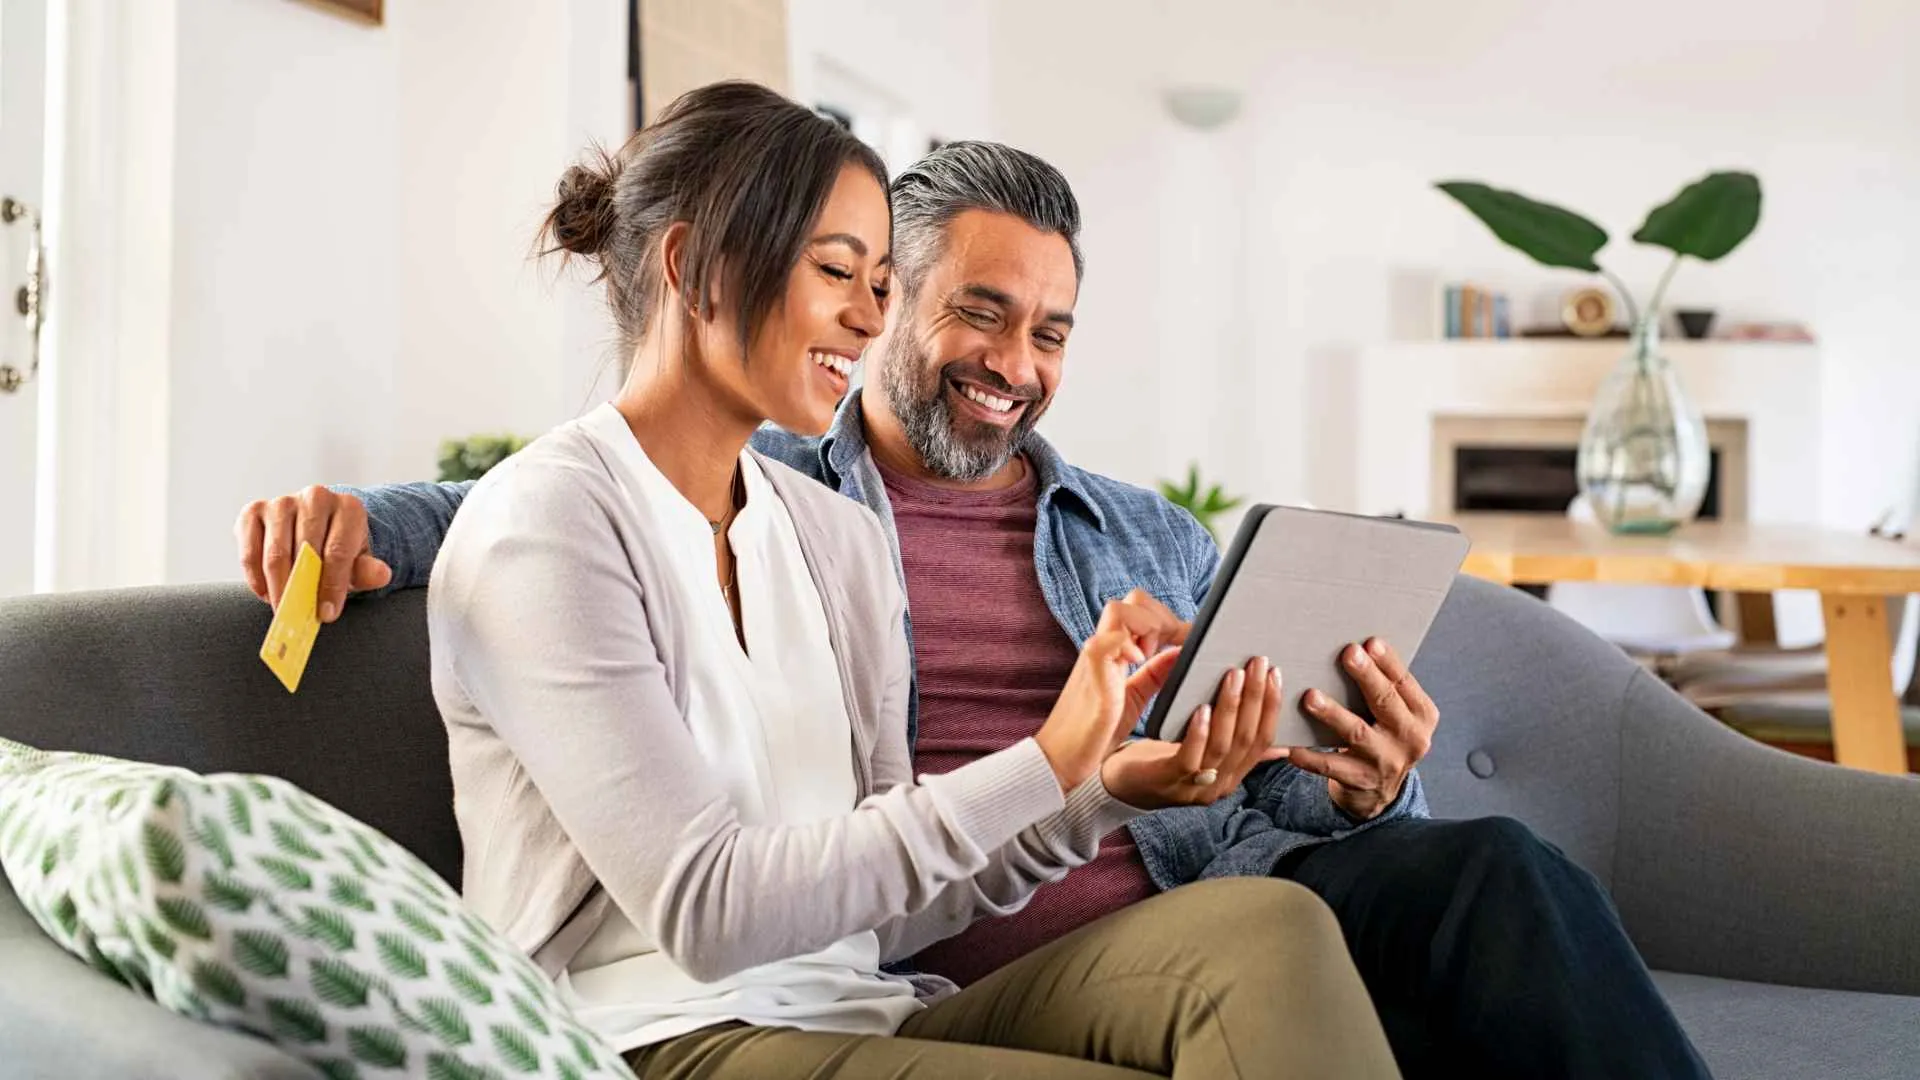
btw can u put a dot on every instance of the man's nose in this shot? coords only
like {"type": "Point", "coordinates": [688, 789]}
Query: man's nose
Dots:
{"type": "Point", "coordinates": [1015, 362]}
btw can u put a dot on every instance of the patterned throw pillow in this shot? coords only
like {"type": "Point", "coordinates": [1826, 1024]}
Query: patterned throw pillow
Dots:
{"type": "Point", "coordinates": [245, 902]}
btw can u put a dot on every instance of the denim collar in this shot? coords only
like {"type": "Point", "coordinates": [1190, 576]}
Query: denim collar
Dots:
{"type": "Point", "coordinates": [846, 440]}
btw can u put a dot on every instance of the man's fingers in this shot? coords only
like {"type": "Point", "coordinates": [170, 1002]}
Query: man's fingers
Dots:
{"type": "Point", "coordinates": [1396, 670]}
{"type": "Point", "coordinates": [345, 539]}
{"type": "Point", "coordinates": [278, 545]}
{"type": "Point", "coordinates": [1343, 769]}
{"type": "Point", "coordinates": [250, 530]}
{"type": "Point", "coordinates": [1383, 696]}
{"type": "Point", "coordinates": [1357, 733]}
{"type": "Point", "coordinates": [370, 573]}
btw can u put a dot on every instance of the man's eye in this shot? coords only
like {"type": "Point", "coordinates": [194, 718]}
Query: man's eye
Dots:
{"type": "Point", "coordinates": [1050, 342]}
{"type": "Point", "coordinates": [976, 316]}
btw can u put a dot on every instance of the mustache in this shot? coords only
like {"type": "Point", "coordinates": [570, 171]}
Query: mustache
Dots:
{"type": "Point", "coordinates": [975, 373]}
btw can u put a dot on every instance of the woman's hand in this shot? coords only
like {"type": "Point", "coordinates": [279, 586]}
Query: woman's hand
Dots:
{"type": "Point", "coordinates": [1097, 708]}
{"type": "Point", "coordinates": [1222, 744]}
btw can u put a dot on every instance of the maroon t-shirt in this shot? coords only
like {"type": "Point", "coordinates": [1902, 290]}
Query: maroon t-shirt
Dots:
{"type": "Point", "coordinates": [991, 658]}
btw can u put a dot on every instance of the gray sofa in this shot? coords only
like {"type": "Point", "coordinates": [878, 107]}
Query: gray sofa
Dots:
{"type": "Point", "coordinates": [1778, 898]}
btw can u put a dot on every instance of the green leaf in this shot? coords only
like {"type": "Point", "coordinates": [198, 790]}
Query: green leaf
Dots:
{"type": "Point", "coordinates": [336, 1069]}
{"type": "Point", "coordinates": [213, 836]}
{"type": "Point", "coordinates": [466, 983]}
{"type": "Point", "coordinates": [479, 956]}
{"type": "Point", "coordinates": [287, 875]}
{"type": "Point", "coordinates": [350, 892]}
{"type": "Point", "coordinates": [295, 1019]}
{"type": "Point", "coordinates": [158, 941]}
{"type": "Point", "coordinates": [312, 814]}
{"type": "Point", "coordinates": [50, 858]}
{"type": "Point", "coordinates": [166, 855]}
{"type": "Point", "coordinates": [186, 917]}
{"type": "Point", "coordinates": [261, 953]}
{"type": "Point", "coordinates": [417, 921]}
{"type": "Point", "coordinates": [447, 1067]}
{"type": "Point", "coordinates": [1708, 218]}
{"type": "Point", "coordinates": [339, 984]}
{"type": "Point", "coordinates": [355, 861]}
{"type": "Point", "coordinates": [66, 915]}
{"type": "Point", "coordinates": [515, 1048]}
{"type": "Point", "coordinates": [446, 1020]}
{"type": "Point", "coordinates": [328, 927]}
{"type": "Point", "coordinates": [129, 871]}
{"type": "Point", "coordinates": [370, 850]}
{"type": "Point", "coordinates": [289, 839]}
{"type": "Point", "coordinates": [239, 812]}
{"type": "Point", "coordinates": [529, 1014]}
{"type": "Point", "coordinates": [536, 988]}
{"type": "Point", "coordinates": [566, 1069]}
{"type": "Point", "coordinates": [260, 789]}
{"type": "Point", "coordinates": [228, 893]}
{"type": "Point", "coordinates": [399, 956]}
{"type": "Point", "coordinates": [583, 1048]}
{"type": "Point", "coordinates": [1550, 235]}
{"type": "Point", "coordinates": [380, 1047]}
{"type": "Point", "coordinates": [217, 981]}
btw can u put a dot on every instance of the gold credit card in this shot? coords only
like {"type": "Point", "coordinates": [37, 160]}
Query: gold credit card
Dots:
{"type": "Point", "coordinates": [290, 638]}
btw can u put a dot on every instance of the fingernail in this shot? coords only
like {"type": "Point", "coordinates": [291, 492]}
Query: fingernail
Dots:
{"type": "Point", "coordinates": [1377, 647]}
{"type": "Point", "coordinates": [327, 611]}
{"type": "Point", "coordinates": [1203, 717]}
{"type": "Point", "coordinates": [1273, 676]}
{"type": "Point", "coordinates": [1237, 679]}
{"type": "Point", "coordinates": [1357, 657]}
{"type": "Point", "coordinates": [1315, 701]}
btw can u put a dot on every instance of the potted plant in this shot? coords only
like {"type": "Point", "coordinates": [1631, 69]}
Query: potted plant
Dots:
{"type": "Point", "coordinates": [470, 458]}
{"type": "Point", "coordinates": [1205, 504]}
{"type": "Point", "coordinates": [1643, 459]}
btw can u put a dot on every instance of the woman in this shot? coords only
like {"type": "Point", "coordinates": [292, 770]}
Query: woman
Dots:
{"type": "Point", "coordinates": [675, 682]}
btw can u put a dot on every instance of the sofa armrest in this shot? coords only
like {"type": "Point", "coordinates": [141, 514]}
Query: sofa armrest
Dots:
{"type": "Point", "coordinates": [62, 1020]}
{"type": "Point", "coordinates": [1741, 861]}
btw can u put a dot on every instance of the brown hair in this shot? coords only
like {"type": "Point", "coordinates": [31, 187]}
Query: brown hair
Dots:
{"type": "Point", "coordinates": [749, 171]}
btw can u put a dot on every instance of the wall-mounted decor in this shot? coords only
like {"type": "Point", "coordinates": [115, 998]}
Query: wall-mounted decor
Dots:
{"type": "Point", "coordinates": [368, 11]}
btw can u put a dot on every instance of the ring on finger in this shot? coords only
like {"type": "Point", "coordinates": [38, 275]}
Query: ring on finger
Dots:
{"type": "Point", "coordinates": [1204, 777]}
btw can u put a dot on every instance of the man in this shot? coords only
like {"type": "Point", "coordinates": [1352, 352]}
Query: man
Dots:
{"type": "Point", "coordinates": [1484, 948]}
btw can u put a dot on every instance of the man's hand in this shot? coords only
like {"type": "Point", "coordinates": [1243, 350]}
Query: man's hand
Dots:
{"type": "Point", "coordinates": [1228, 737]}
{"type": "Point", "coordinates": [1365, 777]}
{"type": "Point", "coordinates": [270, 532]}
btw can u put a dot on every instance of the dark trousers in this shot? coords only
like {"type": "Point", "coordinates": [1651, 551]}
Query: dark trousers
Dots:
{"type": "Point", "coordinates": [1489, 953]}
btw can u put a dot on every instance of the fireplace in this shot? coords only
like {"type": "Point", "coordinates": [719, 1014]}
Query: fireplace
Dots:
{"type": "Point", "coordinates": [1526, 465]}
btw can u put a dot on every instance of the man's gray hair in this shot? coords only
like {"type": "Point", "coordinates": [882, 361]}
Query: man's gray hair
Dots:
{"type": "Point", "coordinates": [973, 175]}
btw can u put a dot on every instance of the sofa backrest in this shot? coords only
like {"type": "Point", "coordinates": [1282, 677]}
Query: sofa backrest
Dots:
{"type": "Point", "coordinates": [1530, 705]}
{"type": "Point", "coordinates": [173, 675]}
{"type": "Point", "coordinates": [1530, 719]}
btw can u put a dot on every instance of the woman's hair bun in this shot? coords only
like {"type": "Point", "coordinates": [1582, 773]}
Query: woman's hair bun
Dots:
{"type": "Point", "coordinates": [582, 218]}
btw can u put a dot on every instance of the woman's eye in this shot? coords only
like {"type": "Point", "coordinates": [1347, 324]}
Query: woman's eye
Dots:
{"type": "Point", "coordinates": [838, 273]}
{"type": "Point", "coordinates": [881, 292]}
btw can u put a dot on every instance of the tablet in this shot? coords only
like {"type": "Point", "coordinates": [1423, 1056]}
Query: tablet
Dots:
{"type": "Point", "coordinates": [1297, 587]}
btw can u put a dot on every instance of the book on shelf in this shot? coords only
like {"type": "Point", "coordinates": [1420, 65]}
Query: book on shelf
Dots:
{"type": "Point", "coordinates": [1469, 311]}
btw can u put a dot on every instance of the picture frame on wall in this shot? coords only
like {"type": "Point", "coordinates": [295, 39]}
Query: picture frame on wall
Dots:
{"type": "Point", "coordinates": [371, 12]}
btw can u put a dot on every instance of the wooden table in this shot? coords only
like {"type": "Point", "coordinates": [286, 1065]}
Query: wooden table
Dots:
{"type": "Point", "coordinates": [1855, 575]}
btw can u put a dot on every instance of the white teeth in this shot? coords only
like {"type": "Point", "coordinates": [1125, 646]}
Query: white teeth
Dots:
{"type": "Point", "coordinates": [997, 404]}
{"type": "Point", "coordinates": [833, 363]}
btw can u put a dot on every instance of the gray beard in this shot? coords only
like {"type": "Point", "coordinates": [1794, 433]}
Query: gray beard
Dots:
{"type": "Point", "coordinates": [932, 428]}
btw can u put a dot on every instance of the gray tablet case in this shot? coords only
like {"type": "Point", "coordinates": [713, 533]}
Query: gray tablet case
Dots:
{"type": "Point", "coordinates": [1299, 585]}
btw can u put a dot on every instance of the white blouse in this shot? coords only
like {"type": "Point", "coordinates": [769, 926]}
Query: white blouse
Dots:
{"type": "Point", "coordinates": [771, 722]}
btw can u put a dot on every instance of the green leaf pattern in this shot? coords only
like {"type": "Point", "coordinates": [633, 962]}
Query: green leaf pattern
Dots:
{"type": "Point", "coordinates": [244, 902]}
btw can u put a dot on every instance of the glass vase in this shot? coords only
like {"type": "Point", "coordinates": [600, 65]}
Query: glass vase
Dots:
{"type": "Point", "coordinates": [1643, 461]}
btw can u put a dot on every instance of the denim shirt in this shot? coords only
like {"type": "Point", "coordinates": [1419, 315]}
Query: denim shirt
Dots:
{"type": "Point", "coordinates": [1095, 539]}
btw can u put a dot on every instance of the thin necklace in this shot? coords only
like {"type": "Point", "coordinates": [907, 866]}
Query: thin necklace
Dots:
{"type": "Point", "coordinates": [733, 561]}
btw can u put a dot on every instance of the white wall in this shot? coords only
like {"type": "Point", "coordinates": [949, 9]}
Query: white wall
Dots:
{"type": "Point", "coordinates": [354, 209]}
{"type": "Point", "coordinates": [924, 61]}
{"type": "Point", "coordinates": [1354, 109]}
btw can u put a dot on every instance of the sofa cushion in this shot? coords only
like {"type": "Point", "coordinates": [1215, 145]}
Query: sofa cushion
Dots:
{"type": "Point", "coordinates": [243, 901]}
{"type": "Point", "coordinates": [1748, 1030]}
